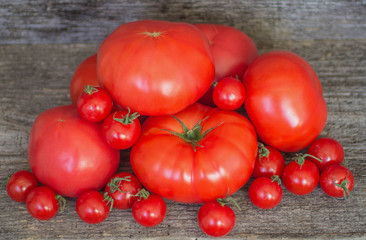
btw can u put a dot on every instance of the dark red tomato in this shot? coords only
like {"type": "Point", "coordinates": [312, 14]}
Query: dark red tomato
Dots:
{"type": "Point", "coordinates": [337, 181]}
{"type": "Point", "coordinates": [94, 104]}
{"type": "Point", "coordinates": [215, 219]}
{"type": "Point", "coordinates": [329, 150]}
{"type": "Point", "coordinates": [265, 192]}
{"type": "Point", "coordinates": [269, 162]}
{"type": "Point", "coordinates": [68, 153]}
{"type": "Point", "coordinates": [178, 157]}
{"type": "Point", "coordinates": [284, 100]}
{"type": "Point", "coordinates": [300, 179]}
{"type": "Point", "coordinates": [42, 203]}
{"type": "Point", "coordinates": [92, 207]}
{"type": "Point", "coordinates": [149, 210]}
{"type": "Point", "coordinates": [20, 184]}
{"type": "Point", "coordinates": [122, 188]}
{"type": "Point", "coordinates": [121, 129]}
{"type": "Point", "coordinates": [85, 74]}
{"type": "Point", "coordinates": [155, 67]}
{"type": "Point", "coordinates": [229, 94]}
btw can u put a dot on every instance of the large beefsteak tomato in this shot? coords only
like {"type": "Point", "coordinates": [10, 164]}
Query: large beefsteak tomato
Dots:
{"type": "Point", "coordinates": [68, 153]}
{"type": "Point", "coordinates": [155, 67]}
{"type": "Point", "coordinates": [199, 155]}
{"type": "Point", "coordinates": [284, 100]}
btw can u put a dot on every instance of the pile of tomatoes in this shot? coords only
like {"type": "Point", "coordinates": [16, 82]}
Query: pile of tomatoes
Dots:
{"type": "Point", "coordinates": [184, 83]}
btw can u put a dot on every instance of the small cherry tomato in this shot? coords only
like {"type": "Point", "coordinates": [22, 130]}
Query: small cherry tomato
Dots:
{"type": "Point", "coordinates": [43, 203]}
{"type": "Point", "coordinates": [229, 94]}
{"type": "Point", "coordinates": [122, 188]}
{"type": "Point", "coordinates": [121, 129]}
{"type": "Point", "coordinates": [265, 192]}
{"type": "Point", "coordinates": [20, 184]}
{"type": "Point", "coordinates": [269, 162]}
{"type": "Point", "coordinates": [94, 104]}
{"type": "Point", "coordinates": [337, 181]}
{"type": "Point", "coordinates": [93, 207]}
{"type": "Point", "coordinates": [301, 176]}
{"type": "Point", "coordinates": [149, 210]}
{"type": "Point", "coordinates": [329, 150]}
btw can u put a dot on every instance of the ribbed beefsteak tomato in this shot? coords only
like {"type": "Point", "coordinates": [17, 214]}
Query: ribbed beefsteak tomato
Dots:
{"type": "Point", "coordinates": [199, 155]}
{"type": "Point", "coordinates": [155, 67]}
{"type": "Point", "coordinates": [68, 153]}
{"type": "Point", "coordinates": [284, 100]}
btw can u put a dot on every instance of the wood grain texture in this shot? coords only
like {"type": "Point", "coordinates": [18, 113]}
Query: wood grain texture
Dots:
{"type": "Point", "coordinates": [331, 35]}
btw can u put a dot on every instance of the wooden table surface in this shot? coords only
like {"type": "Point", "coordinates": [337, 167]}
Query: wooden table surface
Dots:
{"type": "Point", "coordinates": [42, 43]}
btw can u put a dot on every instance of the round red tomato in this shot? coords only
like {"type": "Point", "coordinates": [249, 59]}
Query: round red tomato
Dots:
{"type": "Point", "coordinates": [121, 129]}
{"type": "Point", "coordinates": [229, 94]}
{"type": "Point", "coordinates": [337, 181]}
{"type": "Point", "coordinates": [300, 178]}
{"type": "Point", "coordinates": [329, 150]}
{"type": "Point", "coordinates": [92, 207]}
{"type": "Point", "coordinates": [269, 162]}
{"type": "Point", "coordinates": [68, 153]}
{"type": "Point", "coordinates": [284, 100]}
{"type": "Point", "coordinates": [265, 192]}
{"type": "Point", "coordinates": [149, 210]}
{"type": "Point", "coordinates": [19, 185]}
{"type": "Point", "coordinates": [155, 67]}
{"type": "Point", "coordinates": [122, 188]}
{"type": "Point", "coordinates": [178, 157]}
{"type": "Point", "coordinates": [215, 219]}
{"type": "Point", "coordinates": [85, 74]}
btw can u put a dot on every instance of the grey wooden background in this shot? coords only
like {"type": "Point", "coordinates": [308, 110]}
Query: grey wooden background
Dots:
{"type": "Point", "coordinates": [42, 42]}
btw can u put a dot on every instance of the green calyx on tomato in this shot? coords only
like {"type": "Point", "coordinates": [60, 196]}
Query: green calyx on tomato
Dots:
{"type": "Point", "coordinates": [152, 34]}
{"type": "Point", "coordinates": [128, 118]}
{"type": "Point", "coordinates": [143, 193]}
{"type": "Point", "coordinates": [263, 151]}
{"type": "Point", "coordinates": [90, 89]}
{"type": "Point", "coordinates": [109, 200]}
{"type": "Point", "coordinates": [300, 158]}
{"type": "Point", "coordinates": [343, 185]}
{"type": "Point", "coordinates": [226, 200]}
{"type": "Point", "coordinates": [61, 202]}
{"type": "Point", "coordinates": [116, 182]}
{"type": "Point", "coordinates": [277, 179]}
{"type": "Point", "coordinates": [194, 135]}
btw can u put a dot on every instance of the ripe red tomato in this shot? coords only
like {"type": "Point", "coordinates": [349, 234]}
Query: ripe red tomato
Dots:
{"type": "Point", "coordinates": [337, 181]}
{"type": "Point", "coordinates": [269, 162]}
{"type": "Point", "coordinates": [92, 207]}
{"type": "Point", "coordinates": [122, 188]}
{"type": "Point", "coordinates": [329, 150]}
{"type": "Point", "coordinates": [229, 94]}
{"type": "Point", "coordinates": [215, 219]}
{"type": "Point", "coordinates": [121, 129]}
{"type": "Point", "coordinates": [284, 100]}
{"type": "Point", "coordinates": [265, 192]}
{"type": "Point", "coordinates": [85, 74]}
{"type": "Point", "coordinates": [149, 210]}
{"type": "Point", "coordinates": [155, 67]}
{"type": "Point", "coordinates": [42, 203]}
{"type": "Point", "coordinates": [177, 160]}
{"type": "Point", "coordinates": [68, 153]}
{"type": "Point", "coordinates": [20, 184]}
{"type": "Point", "coordinates": [300, 178]}
{"type": "Point", "coordinates": [94, 104]}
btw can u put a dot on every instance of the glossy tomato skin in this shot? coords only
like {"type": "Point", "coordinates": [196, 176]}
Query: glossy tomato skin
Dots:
{"type": "Point", "coordinates": [265, 193]}
{"type": "Point", "coordinates": [170, 167]}
{"type": "Point", "coordinates": [124, 198]}
{"type": "Point", "coordinates": [335, 174]}
{"type": "Point", "coordinates": [68, 153]}
{"type": "Point", "coordinates": [150, 211]}
{"type": "Point", "coordinates": [300, 180]}
{"type": "Point", "coordinates": [20, 184]}
{"type": "Point", "coordinates": [269, 166]}
{"type": "Point", "coordinates": [41, 203]}
{"type": "Point", "coordinates": [85, 74]}
{"type": "Point", "coordinates": [329, 150]}
{"type": "Point", "coordinates": [229, 94]}
{"type": "Point", "coordinates": [91, 207]}
{"type": "Point", "coordinates": [216, 220]}
{"type": "Point", "coordinates": [119, 135]}
{"type": "Point", "coordinates": [155, 67]}
{"type": "Point", "coordinates": [284, 100]}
